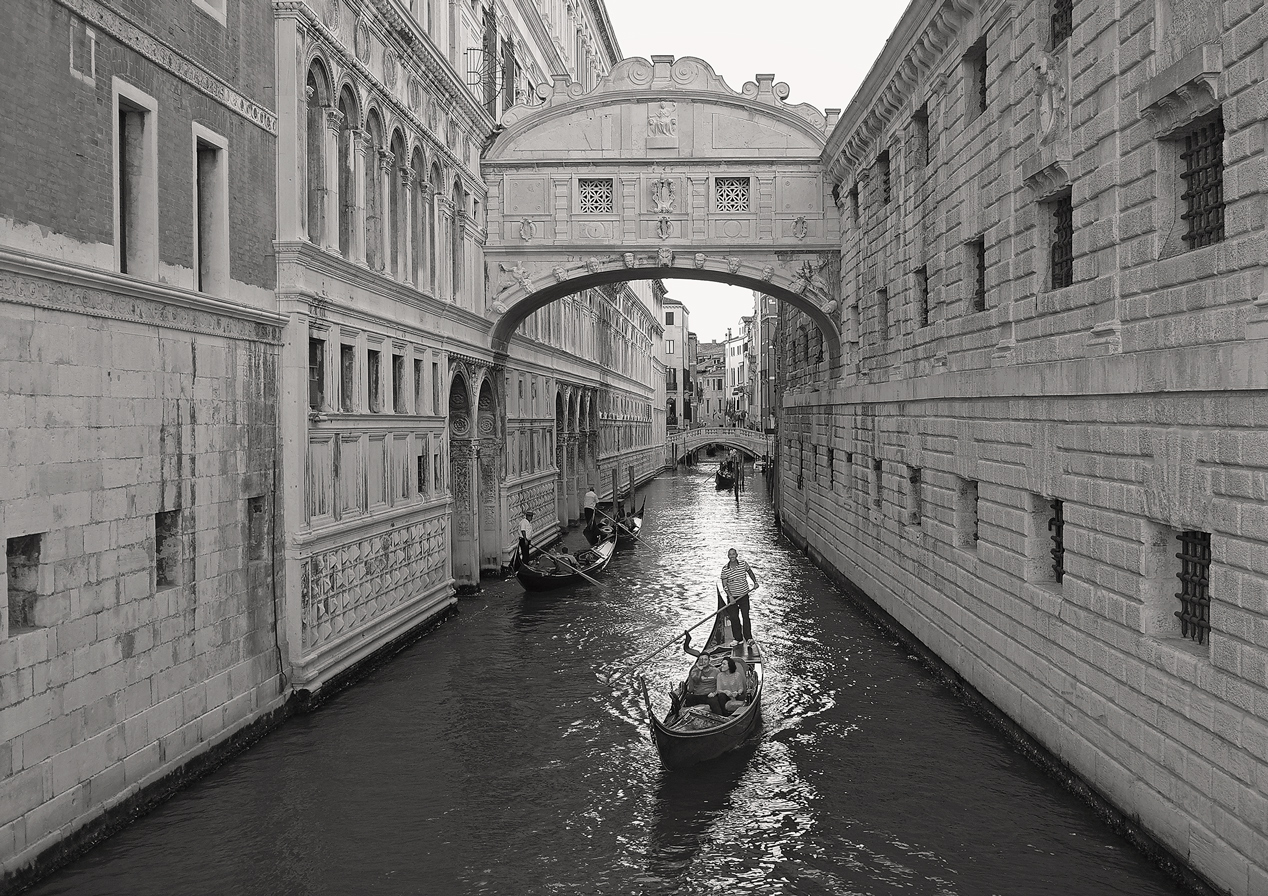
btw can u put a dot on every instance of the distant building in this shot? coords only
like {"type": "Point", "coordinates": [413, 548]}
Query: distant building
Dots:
{"type": "Point", "coordinates": [675, 355]}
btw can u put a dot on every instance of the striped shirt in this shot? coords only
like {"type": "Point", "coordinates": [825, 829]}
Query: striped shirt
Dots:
{"type": "Point", "coordinates": [735, 578]}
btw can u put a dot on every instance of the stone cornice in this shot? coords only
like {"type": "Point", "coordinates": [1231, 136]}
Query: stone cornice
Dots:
{"type": "Point", "coordinates": [1182, 92]}
{"type": "Point", "coordinates": [603, 25]}
{"type": "Point", "coordinates": [59, 286]}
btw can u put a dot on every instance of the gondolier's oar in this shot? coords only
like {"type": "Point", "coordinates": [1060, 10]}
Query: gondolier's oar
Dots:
{"type": "Point", "coordinates": [624, 528]}
{"type": "Point", "coordinates": [672, 641]}
{"type": "Point", "coordinates": [568, 562]}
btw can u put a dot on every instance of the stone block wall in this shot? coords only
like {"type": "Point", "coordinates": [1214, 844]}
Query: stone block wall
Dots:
{"type": "Point", "coordinates": [981, 387]}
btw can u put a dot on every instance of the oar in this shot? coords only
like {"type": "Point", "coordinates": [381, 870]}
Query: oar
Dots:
{"type": "Point", "coordinates": [566, 562]}
{"type": "Point", "coordinates": [670, 642]}
{"type": "Point", "coordinates": [628, 531]}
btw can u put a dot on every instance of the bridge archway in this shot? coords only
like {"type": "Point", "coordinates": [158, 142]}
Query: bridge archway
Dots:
{"type": "Point", "coordinates": [662, 171]}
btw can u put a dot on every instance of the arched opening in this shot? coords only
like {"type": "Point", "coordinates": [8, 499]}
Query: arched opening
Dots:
{"type": "Point", "coordinates": [433, 228]}
{"type": "Point", "coordinates": [349, 123]}
{"type": "Point", "coordinates": [418, 263]}
{"type": "Point", "coordinates": [489, 457]}
{"type": "Point", "coordinates": [561, 465]}
{"type": "Point", "coordinates": [374, 193]}
{"type": "Point", "coordinates": [397, 200]}
{"type": "Point", "coordinates": [314, 205]}
{"type": "Point", "coordinates": [459, 212]}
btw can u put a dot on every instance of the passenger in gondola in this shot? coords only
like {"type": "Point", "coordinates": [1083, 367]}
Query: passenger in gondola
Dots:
{"type": "Point", "coordinates": [729, 693]}
{"type": "Point", "coordinates": [564, 561]}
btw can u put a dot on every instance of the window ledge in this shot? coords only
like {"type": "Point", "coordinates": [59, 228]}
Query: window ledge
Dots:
{"type": "Point", "coordinates": [1182, 92]}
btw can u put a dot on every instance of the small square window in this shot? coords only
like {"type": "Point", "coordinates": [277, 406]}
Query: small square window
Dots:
{"type": "Point", "coordinates": [732, 194]}
{"type": "Point", "coordinates": [595, 195]}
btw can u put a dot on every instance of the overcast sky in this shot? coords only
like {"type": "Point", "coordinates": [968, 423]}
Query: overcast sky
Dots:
{"type": "Point", "coordinates": [821, 48]}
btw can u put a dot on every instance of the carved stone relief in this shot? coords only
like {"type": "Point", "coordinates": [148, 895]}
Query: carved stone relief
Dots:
{"type": "Point", "coordinates": [662, 125]}
{"type": "Point", "coordinates": [361, 41]}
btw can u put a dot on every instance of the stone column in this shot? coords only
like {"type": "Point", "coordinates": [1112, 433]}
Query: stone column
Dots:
{"type": "Point", "coordinates": [409, 264]}
{"type": "Point", "coordinates": [387, 232]}
{"type": "Point", "coordinates": [334, 121]}
{"type": "Point", "coordinates": [465, 523]}
{"type": "Point", "coordinates": [360, 149]}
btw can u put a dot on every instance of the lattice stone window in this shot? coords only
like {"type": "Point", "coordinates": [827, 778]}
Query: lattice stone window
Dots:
{"type": "Point", "coordinates": [1203, 175]}
{"type": "Point", "coordinates": [732, 194]}
{"type": "Point", "coordinates": [1194, 594]}
{"type": "Point", "coordinates": [595, 195]}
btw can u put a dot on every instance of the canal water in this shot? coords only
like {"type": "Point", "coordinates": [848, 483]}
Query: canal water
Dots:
{"type": "Point", "coordinates": [495, 756]}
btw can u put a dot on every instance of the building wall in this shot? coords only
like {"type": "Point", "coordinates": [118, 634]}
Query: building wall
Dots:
{"type": "Point", "coordinates": [1134, 396]}
{"type": "Point", "coordinates": [140, 441]}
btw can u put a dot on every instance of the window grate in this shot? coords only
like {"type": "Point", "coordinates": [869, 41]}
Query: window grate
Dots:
{"type": "Point", "coordinates": [732, 194]}
{"type": "Point", "coordinates": [1203, 196]}
{"type": "Point", "coordinates": [596, 195]}
{"type": "Point", "coordinates": [977, 253]}
{"type": "Point", "coordinates": [1062, 21]}
{"type": "Point", "coordinates": [887, 189]}
{"type": "Point", "coordinates": [922, 296]}
{"type": "Point", "coordinates": [1056, 525]}
{"type": "Point", "coordinates": [1062, 243]}
{"type": "Point", "coordinates": [1195, 599]}
{"type": "Point", "coordinates": [980, 73]}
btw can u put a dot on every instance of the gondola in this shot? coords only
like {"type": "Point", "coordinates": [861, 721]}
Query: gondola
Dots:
{"type": "Point", "coordinates": [691, 732]}
{"type": "Point", "coordinates": [626, 533]}
{"type": "Point", "coordinates": [724, 478]}
{"type": "Point", "coordinates": [547, 571]}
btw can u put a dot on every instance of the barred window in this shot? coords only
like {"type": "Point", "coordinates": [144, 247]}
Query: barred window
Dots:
{"type": "Point", "coordinates": [596, 195]}
{"type": "Point", "coordinates": [920, 136]}
{"type": "Point", "coordinates": [732, 194]}
{"type": "Point", "coordinates": [882, 165]}
{"type": "Point", "coordinates": [1062, 21]}
{"type": "Point", "coordinates": [1203, 176]}
{"type": "Point", "coordinates": [976, 261]}
{"type": "Point", "coordinates": [1056, 525]}
{"type": "Point", "coordinates": [1062, 246]}
{"type": "Point", "coordinates": [1194, 575]}
{"type": "Point", "coordinates": [882, 314]}
{"type": "Point", "coordinates": [922, 296]}
{"type": "Point", "coordinates": [975, 79]}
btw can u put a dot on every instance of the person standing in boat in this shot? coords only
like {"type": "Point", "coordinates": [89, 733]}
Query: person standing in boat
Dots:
{"type": "Point", "coordinates": [590, 503]}
{"type": "Point", "coordinates": [526, 536]}
{"type": "Point", "coordinates": [735, 580]}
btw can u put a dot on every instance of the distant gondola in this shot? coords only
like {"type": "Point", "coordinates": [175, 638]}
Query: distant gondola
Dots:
{"type": "Point", "coordinates": [691, 732]}
{"type": "Point", "coordinates": [724, 478]}
{"type": "Point", "coordinates": [546, 571]}
{"type": "Point", "coordinates": [627, 532]}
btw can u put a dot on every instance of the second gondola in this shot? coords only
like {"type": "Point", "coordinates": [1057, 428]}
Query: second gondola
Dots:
{"type": "Point", "coordinates": [546, 571]}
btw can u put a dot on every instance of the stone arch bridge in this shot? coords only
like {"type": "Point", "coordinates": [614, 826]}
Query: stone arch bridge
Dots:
{"type": "Point", "coordinates": [661, 171]}
{"type": "Point", "coordinates": [750, 440]}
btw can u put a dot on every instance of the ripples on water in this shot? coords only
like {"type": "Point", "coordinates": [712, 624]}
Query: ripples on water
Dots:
{"type": "Point", "coordinates": [503, 755]}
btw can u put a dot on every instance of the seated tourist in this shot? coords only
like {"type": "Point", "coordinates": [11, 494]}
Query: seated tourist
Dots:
{"type": "Point", "coordinates": [728, 695]}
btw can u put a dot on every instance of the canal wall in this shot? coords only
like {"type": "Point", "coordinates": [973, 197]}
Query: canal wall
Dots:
{"type": "Point", "coordinates": [1046, 454]}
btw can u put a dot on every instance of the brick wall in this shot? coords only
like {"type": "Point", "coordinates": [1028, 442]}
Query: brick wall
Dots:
{"type": "Point", "coordinates": [1136, 395]}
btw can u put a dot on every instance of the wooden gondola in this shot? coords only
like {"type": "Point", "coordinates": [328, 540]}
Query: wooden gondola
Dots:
{"type": "Point", "coordinates": [626, 533]}
{"type": "Point", "coordinates": [691, 731]}
{"type": "Point", "coordinates": [546, 571]}
{"type": "Point", "coordinates": [724, 478]}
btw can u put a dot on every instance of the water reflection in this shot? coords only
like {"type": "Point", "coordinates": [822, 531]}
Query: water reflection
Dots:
{"type": "Point", "coordinates": [505, 754]}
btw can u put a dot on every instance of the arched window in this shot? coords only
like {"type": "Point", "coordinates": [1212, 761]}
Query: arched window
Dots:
{"type": "Point", "coordinates": [348, 125]}
{"type": "Point", "coordinates": [459, 209]}
{"type": "Point", "coordinates": [397, 202]}
{"type": "Point", "coordinates": [374, 194]}
{"type": "Point", "coordinates": [419, 224]}
{"type": "Point", "coordinates": [314, 155]}
{"type": "Point", "coordinates": [433, 228]}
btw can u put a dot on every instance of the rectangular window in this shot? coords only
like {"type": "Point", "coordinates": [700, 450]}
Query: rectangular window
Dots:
{"type": "Point", "coordinates": [731, 194]}
{"type": "Point", "coordinates": [436, 481]}
{"type": "Point", "coordinates": [1056, 530]}
{"type": "Point", "coordinates": [435, 388]}
{"type": "Point", "coordinates": [398, 384]}
{"type": "Point", "coordinates": [373, 379]}
{"type": "Point", "coordinates": [883, 170]}
{"type": "Point", "coordinates": [966, 514]}
{"type": "Point", "coordinates": [211, 213]}
{"type": "Point", "coordinates": [913, 496]}
{"type": "Point", "coordinates": [421, 462]}
{"type": "Point", "coordinates": [510, 72]}
{"type": "Point", "coordinates": [595, 195]}
{"type": "Point", "coordinates": [167, 548]}
{"type": "Point", "coordinates": [316, 374]}
{"type": "Point", "coordinates": [975, 79]}
{"type": "Point", "coordinates": [347, 378]}
{"type": "Point", "coordinates": [23, 568]}
{"type": "Point", "coordinates": [1062, 21]}
{"type": "Point", "coordinates": [669, 318]}
{"type": "Point", "coordinates": [669, 346]}
{"type": "Point", "coordinates": [136, 182]}
{"type": "Point", "coordinates": [882, 314]}
{"type": "Point", "coordinates": [257, 529]}
{"type": "Point", "coordinates": [922, 296]}
{"type": "Point", "coordinates": [419, 386]}
{"type": "Point", "coordinates": [831, 468]}
{"type": "Point", "coordinates": [1061, 253]}
{"type": "Point", "coordinates": [878, 497]}
{"type": "Point", "coordinates": [854, 204]}
{"type": "Point", "coordinates": [1203, 175]}
{"type": "Point", "coordinates": [975, 258]}
{"type": "Point", "coordinates": [1194, 594]}
{"type": "Point", "coordinates": [921, 148]}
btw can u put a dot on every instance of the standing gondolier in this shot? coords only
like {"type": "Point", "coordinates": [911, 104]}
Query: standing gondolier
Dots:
{"type": "Point", "coordinates": [590, 503]}
{"type": "Point", "coordinates": [526, 536]}
{"type": "Point", "coordinates": [735, 580]}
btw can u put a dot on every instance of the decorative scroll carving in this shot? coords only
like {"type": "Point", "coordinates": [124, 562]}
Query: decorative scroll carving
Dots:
{"type": "Point", "coordinates": [800, 227]}
{"type": "Point", "coordinates": [1184, 92]}
{"type": "Point", "coordinates": [664, 196]}
{"type": "Point", "coordinates": [528, 229]}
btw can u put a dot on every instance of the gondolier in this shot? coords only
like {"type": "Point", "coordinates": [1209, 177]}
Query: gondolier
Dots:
{"type": "Point", "coordinates": [526, 536]}
{"type": "Point", "coordinates": [590, 503]}
{"type": "Point", "coordinates": [735, 580]}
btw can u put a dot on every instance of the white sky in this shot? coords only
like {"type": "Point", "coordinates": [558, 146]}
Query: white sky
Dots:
{"type": "Point", "coordinates": [821, 48]}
